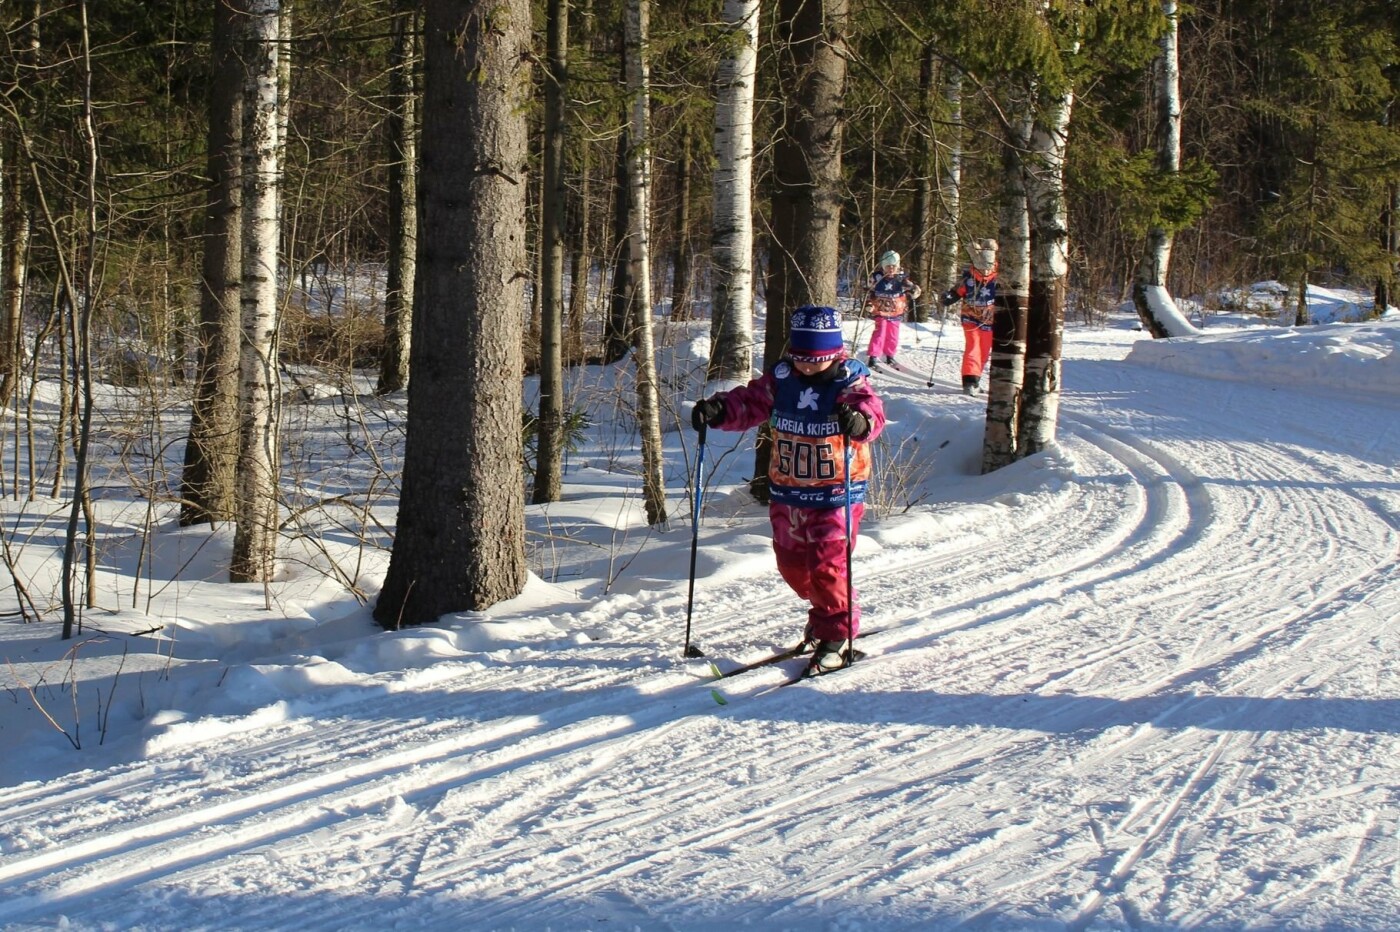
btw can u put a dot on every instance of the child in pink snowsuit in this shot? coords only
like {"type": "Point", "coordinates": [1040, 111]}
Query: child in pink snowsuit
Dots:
{"type": "Point", "coordinates": [817, 403]}
{"type": "Point", "coordinates": [889, 297]}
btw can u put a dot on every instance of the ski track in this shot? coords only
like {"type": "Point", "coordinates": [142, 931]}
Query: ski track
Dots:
{"type": "Point", "coordinates": [1081, 746]}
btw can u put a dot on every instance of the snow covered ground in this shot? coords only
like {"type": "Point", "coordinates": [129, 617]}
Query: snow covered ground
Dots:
{"type": "Point", "coordinates": [1149, 679]}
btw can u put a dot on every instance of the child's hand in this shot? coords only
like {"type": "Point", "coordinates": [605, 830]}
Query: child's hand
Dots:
{"type": "Point", "coordinates": [707, 411]}
{"type": "Point", "coordinates": [853, 423]}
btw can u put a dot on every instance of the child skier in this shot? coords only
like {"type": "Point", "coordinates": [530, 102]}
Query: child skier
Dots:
{"type": "Point", "coordinates": [889, 296]}
{"type": "Point", "coordinates": [978, 291]}
{"type": "Point", "coordinates": [817, 403]}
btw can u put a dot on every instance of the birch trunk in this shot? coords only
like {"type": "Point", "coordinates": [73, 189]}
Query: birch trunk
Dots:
{"type": "Point", "coordinates": [1006, 366]}
{"type": "Point", "coordinates": [460, 540]}
{"type": "Point", "coordinates": [255, 536]}
{"type": "Point", "coordinates": [637, 38]}
{"type": "Point", "coordinates": [731, 244]}
{"type": "Point", "coordinates": [550, 426]}
{"type": "Point", "coordinates": [1045, 195]}
{"type": "Point", "coordinates": [1154, 302]}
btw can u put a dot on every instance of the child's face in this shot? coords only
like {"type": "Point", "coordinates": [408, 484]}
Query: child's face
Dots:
{"type": "Point", "coordinates": [812, 368]}
{"type": "Point", "coordinates": [891, 268]}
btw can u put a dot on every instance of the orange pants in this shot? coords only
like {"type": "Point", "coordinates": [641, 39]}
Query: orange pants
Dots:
{"type": "Point", "coordinates": [978, 346]}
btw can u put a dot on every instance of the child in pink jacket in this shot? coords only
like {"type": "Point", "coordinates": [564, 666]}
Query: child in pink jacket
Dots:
{"type": "Point", "coordinates": [889, 297]}
{"type": "Point", "coordinates": [817, 402]}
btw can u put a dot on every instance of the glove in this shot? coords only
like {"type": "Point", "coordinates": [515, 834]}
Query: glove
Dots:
{"type": "Point", "coordinates": [853, 424]}
{"type": "Point", "coordinates": [706, 412]}
{"type": "Point", "coordinates": [949, 297]}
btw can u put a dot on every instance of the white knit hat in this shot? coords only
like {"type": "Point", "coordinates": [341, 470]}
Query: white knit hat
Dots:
{"type": "Point", "coordinates": [889, 258]}
{"type": "Point", "coordinates": [983, 253]}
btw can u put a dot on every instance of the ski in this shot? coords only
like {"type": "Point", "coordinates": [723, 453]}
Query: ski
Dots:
{"type": "Point", "coordinates": [902, 369]}
{"type": "Point", "coordinates": [806, 674]}
{"type": "Point", "coordinates": [779, 657]}
{"type": "Point", "coordinates": [899, 376]}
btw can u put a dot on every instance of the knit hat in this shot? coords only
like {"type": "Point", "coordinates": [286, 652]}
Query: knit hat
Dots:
{"type": "Point", "coordinates": [815, 335]}
{"type": "Point", "coordinates": [889, 258]}
{"type": "Point", "coordinates": [983, 253]}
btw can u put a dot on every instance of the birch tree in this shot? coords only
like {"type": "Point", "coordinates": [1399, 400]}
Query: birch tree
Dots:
{"type": "Point", "coordinates": [731, 242]}
{"type": "Point", "coordinates": [946, 264]}
{"type": "Point", "coordinates": [1154, 302]}
{"type": "Point", "coordinates": [1049, 220]}
{"type": "Point", "coordinates": [550, 425]}
{"type": "Point", "coordinates": [460, 540]}
{"type": "Point", "coordinates": [255, 535]}
{"type": "Point", "coordinates": [1007, 363]}
{"type": "Point", "coordinates": [636, 37]}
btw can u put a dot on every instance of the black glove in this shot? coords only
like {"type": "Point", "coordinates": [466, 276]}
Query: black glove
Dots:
{"type": "Point", "coordinates": [706, 412]}
{"type": "Point", "coordinates": [853, 424]}
{"type": "Point", "coordinates": [949, 297]}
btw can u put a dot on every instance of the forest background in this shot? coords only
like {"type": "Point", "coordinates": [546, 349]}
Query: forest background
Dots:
{"type": "Point", "coordinates": [1289, 170]}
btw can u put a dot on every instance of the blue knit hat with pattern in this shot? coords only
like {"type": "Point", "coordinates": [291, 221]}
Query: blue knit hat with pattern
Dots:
{"type": "Point", "coordinates": [815, 334]}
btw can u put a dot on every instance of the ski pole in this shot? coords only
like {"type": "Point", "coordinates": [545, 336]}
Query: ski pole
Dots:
{"type": "Point", "coordinates": [850, 549]}
{"type": "Point", "coordinates": [690, 649]}
{"type": "Point", "coordinates": [942, 319]}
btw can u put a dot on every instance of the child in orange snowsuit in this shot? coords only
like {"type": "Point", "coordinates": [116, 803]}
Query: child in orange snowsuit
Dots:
{"type": "Point", "coordinates": [978, 291]}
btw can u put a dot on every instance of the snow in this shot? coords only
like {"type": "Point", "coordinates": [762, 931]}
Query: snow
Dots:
{"type": "Point", "coordinates": [1147, 679]}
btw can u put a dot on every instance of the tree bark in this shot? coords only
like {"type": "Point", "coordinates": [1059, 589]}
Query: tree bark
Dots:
{"type": "Point", "coordinates": [549, 431]}
{"type": "Point", "coordinates": [208, 483]}
{"type": "Point", "coordinates": [15, 224]}
{"type": "Point", "coordinates": [1155, 305]}
{"type": "Point", "coordinates": [948, 264]}
{"type": "Point", "coordinates": [460, 540]}
{"type": "Point", "coordinates": [731, 241]}
{"type": "Point", "coordinates": [401, 136]}
{"type": "Point", "coordinates": [1006, 366]}
{"type": "Point", "coordinates": [680, 255]}
{"type": "Point", "coordinates": [259, 461]}
{"type": "Point", "coordinates": [806, 188]}
{"type": "Point", "coordinates": [1045, 192]}
{"type": "Point", "coordinates": [637, 38]}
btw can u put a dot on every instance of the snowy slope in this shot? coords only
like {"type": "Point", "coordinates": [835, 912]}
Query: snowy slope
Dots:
{"type": "Point", "coordinates": [1149, 680]}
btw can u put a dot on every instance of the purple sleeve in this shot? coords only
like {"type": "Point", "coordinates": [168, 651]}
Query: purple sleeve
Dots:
{"type": "Point", "coordinates": [861, 396]}
{"type": "Point", "coordinates": [747, 406]}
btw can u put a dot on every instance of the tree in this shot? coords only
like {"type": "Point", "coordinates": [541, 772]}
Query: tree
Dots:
{"type": "Point", "coordinates": [1006, 370]}
{"type": "Point", "coordinates": [1153, 300]}
{"type": "Point", "coordinates": [1049, 229]}
{"type": "Point", "coordinates": [460, 540]}
{"type": "Point", "coordinates": [549, 453]}
{"type": "Point", "coordinates": [14, 207]}
{"type": "Point", "coordinates": [259, 458]}
{"type": "Point", "coordinates": [401, 136]}
{"type": "Point", "coordinates": [806, 187]}
{"type": "Point", "coordinates": [207, 484]}
{"type": "Point", "coordinates": [945, 264]}
{"type": "Point", "coordinates": [639, 201]}
{"type": "Point", "coordinates": [731, 243]}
